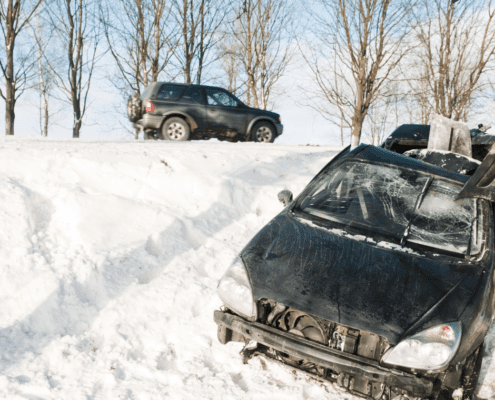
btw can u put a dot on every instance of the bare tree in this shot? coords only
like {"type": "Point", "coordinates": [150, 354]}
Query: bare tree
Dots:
{"type": "Point", "coordinates": [379, 120]}
{"type": "Point", "coordinates": [263, 33]}
{"type": "Point", "coordinates": [41, 37]}
{"type": "Point", "coordinates": [16, 68]}
{"type": "Point", "coordinates": [230, 59]}
{"type": "Point", "coordinates": [368, 40]}
{"type": "Point", "coordinates": [139, 40]}
{"type": "Point", "coordinates": [418, 101]}
{"type": "Point", "coordinates": [76, 26]}
{"type": "Point", "coordinates": [456, 45]}
{"type": "Point", "coordinates": [199, 23]}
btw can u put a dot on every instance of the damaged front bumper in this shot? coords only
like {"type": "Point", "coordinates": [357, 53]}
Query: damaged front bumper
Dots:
{"type": "Point", "coordinates": [344, 364]}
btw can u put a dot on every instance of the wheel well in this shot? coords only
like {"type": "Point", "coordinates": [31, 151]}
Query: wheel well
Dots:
{"type": "Point", "coordinates": [192, 124]}
{"type": "Point", "coordinates": [263, 120]}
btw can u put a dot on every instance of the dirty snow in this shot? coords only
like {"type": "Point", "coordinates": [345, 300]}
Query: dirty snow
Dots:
{"type": "Point", "coordinates": [110, 253]}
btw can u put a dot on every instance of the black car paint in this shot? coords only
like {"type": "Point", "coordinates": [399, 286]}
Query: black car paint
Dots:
{"type": "Point", "coordinates": [354, 282]}
{"type": "Point", "coordinates": [413, 136]}
{"type": "Point", "coordinates": [206, 120]}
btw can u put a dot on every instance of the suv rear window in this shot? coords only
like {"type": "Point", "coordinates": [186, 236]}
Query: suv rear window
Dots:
{"type": "Point", "coordinates": [170, 92]}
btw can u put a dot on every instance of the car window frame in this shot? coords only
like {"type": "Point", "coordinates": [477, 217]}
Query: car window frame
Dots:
{"type": "Point", "coordinates": [230, 95]}
{"type": "Point", "coordinates": [202, 92]}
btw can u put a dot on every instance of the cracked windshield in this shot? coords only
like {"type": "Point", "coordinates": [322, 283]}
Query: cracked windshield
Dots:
{"type": "Point", "coordinates": [401, 203]}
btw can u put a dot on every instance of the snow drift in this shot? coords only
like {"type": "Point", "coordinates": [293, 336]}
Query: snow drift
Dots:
{"type": "Point", "coordinates": [110, 253]}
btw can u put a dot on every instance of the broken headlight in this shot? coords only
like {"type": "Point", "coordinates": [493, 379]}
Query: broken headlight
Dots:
{"type": "Point", "coordinates": [235, 290]}
{"type": "Point", "coordinates": [431, 349]}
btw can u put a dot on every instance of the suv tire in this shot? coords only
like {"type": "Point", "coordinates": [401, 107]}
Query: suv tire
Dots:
{"type": "Point", "coordinates": [175, 129]}
{"type": "Point", "coordinates": [134, 105]}
{"type": "Point", "coordinates": [263, 132]}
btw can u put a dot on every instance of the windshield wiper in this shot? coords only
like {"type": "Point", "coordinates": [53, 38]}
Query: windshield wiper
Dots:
{"type": "Point", "coordinates": [419, 199]}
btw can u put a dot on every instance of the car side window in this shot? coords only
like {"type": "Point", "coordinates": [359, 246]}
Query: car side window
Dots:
{"type": "Point", "coordinates": [215, 97]}
{"type": "Point", "coordinates": [193, 95]}
{"type": "Point", "coordinates": [169, 92]}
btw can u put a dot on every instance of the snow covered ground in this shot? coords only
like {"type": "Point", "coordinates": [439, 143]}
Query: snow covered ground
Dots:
{"type": "Point", "coordinates": [110, 253]}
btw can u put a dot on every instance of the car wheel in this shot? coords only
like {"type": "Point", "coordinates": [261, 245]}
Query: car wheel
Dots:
{"type": "Point", "coordinates": [134, 108]}
{"type": "Point", "coordinates": [176, 129]}
{"type": "Point", "coordinates": [263, 132]}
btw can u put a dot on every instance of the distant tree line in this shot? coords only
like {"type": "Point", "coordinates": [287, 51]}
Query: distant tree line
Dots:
{"type": "Point", "coordinates": [373, 63]}
{"type": "Point", "coordinates": [378, 63]}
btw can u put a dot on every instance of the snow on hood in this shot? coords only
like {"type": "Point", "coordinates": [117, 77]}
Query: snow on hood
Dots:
{"type": "Point", "coordinates": [347, 279]}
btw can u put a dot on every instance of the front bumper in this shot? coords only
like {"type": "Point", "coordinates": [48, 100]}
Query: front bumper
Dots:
{"type": "Point", "coordinates": [280, 129]}
{"type": "Point", "coordinates": [324, 356]}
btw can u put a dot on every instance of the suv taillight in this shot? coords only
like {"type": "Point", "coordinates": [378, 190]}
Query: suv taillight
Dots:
{"type": "Point", "coordinates": [150, 107]}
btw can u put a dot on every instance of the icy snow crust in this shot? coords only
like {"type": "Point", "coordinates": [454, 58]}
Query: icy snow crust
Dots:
{"type": "Point", "coordinates": [110, 254]}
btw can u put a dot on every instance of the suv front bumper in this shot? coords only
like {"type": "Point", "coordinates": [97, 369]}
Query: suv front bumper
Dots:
{"type": "Point", "coordinates": [340, 362]}
{"type": "Point", "coordinates": [280, 129]}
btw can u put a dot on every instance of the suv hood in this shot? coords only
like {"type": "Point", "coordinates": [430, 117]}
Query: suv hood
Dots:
{"type": "Point", "coordinates": [387, 292]}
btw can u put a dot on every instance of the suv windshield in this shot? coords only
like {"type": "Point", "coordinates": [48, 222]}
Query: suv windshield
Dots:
{"type": "Point", "coordinates": [402, 203]}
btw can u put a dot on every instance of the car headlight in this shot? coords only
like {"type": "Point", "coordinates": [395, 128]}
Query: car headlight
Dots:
{"type": "Point", "coordinates": [431, 349]}
{"type": "Point", "coordinates": [235, 290]}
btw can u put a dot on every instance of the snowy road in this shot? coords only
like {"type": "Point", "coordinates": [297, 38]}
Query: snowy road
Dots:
{"type": "Point", "coordinates": [110, 253]}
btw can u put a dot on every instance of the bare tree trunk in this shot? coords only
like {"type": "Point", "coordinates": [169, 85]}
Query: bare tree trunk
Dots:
{"type": "Point", "coordinates": [44, 98]}
{"type": "Point", "coordinates": [10, 92]}
{"type": "Point", "coordinates": [456, 45]}
{"type": "Point", "coordinates": [43, 76]}
{"type": "Point", "coordinates": [13, 18]}
{"type": "Point", "coordinates": [263, 26]}
{"type": "Point", "coordinates": [367, 37]}
{"type": "Point", "coordinates": [75, 25]}
{"type": "Point", "coordinates": [199, 25]}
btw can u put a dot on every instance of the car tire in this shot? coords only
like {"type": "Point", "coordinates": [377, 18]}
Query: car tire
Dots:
{"type": "Point", "coordinates": [175, 129]}
{"type": "Point", "coordinates": [134, 105]}
{"type": "Point", "coordinates": [263, 132]}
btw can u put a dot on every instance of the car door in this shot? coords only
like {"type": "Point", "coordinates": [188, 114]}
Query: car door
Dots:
{"type": "Point", "coordinates": [224, 111]}
{"type": "Point", "coordinates": [192, 103]}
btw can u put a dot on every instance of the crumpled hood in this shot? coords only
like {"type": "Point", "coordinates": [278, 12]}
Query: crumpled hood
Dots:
{"type": "Point", "coordinates": [355, 283]}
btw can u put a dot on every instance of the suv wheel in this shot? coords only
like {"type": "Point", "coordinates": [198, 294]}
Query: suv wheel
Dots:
{"type": "Point", "coordinates": [175, 128]}
{"type": "Point", "coordinates": [134, 107]}
{"type": "Point", "coordinates": [263, 132]}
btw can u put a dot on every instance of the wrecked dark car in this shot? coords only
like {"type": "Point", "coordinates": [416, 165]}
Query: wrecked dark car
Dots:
{"type": "Point", "coordinates": [378, 277]}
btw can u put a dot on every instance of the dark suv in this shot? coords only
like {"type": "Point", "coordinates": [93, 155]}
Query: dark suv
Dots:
{"type": "Point", "coordinates": [181, 112]}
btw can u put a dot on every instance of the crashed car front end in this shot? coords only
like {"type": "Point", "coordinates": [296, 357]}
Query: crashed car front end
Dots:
{"type": "Point", "coordinates": [374, 278]}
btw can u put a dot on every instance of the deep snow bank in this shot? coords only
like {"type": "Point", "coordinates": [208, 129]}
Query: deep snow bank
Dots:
{"type": "Point", "coordinates": [110, 253]}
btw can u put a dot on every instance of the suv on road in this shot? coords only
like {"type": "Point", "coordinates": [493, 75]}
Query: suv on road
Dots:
{"type": "Point", "coordinates": [180, 112]}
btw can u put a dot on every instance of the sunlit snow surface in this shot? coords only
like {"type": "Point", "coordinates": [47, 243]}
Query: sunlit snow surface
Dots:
{"type": "Point", "coordinates": [110, 254]}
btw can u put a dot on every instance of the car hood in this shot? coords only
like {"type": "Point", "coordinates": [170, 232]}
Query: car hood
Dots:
{"type": "Point", "coordinates": [354, 282]}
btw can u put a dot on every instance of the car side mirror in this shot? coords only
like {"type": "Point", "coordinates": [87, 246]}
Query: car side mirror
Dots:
{"type": "Point", "coordinates": [285, 197]}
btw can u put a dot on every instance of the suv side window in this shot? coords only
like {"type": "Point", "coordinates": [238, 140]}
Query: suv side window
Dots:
{"type": "Point", "coordinates": [216, 97]}
{"type": "Point", "coordinates": [193, 95]}
{"type": "Point", "coordinates": [169, 92]}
